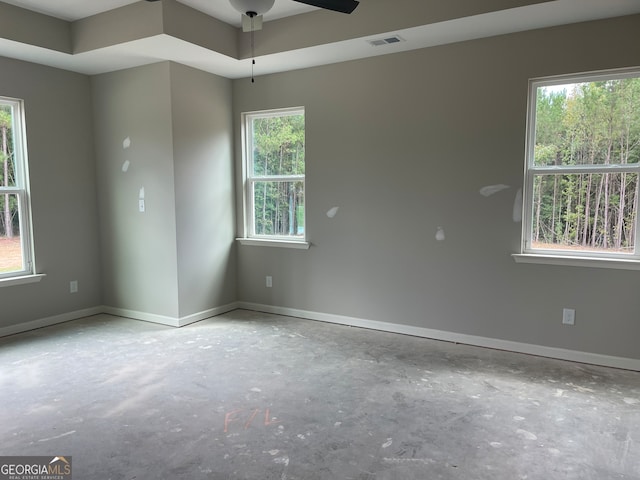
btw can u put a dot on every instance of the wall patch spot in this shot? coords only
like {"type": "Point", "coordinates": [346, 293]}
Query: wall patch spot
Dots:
{"type": "Point", "coordinates": [493, 189]}
{"type": "Point", "coordinates": [125, 166]}
{"type": "Point", "coordinates": [517, 207]}
{"type": "Point", "coordinates": [332, 212]}
{"type": "Point", "coordinates": [126, 143]}
{"type": "Point", "coordinates": [440, 236]}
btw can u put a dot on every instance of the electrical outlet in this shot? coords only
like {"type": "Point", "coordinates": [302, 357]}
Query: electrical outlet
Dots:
{"type": "Point", "coordinates": [568, 316]}
{"type": "Point", "coordinates": [73, 286]}
{"type": "Point", "coordinates": [269, 281]}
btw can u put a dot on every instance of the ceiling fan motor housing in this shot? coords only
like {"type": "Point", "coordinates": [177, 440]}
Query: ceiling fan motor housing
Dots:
{"type": "Point", "coordinates": [252, 7]}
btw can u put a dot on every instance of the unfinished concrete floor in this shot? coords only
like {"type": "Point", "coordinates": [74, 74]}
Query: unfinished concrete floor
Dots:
{"type": "Point", "coordinates": [255, 396]}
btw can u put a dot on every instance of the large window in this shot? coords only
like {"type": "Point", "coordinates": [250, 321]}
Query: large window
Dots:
{"type": "Point", "coordinates": [15, 226]}
{"type": "Point", "coordinates": [583, 153]}
{"type": "Point", "coordinates": [274, 174]}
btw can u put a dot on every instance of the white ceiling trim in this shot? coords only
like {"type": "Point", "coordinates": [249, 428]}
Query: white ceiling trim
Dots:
{"type": "Point", "coordinates": [71, 10]}
{"type": "Point", "coordinates": [165, 47]}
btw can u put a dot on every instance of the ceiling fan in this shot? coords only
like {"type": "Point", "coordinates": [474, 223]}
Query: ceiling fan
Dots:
{"type": "Point", "coordinates": [252, 10]}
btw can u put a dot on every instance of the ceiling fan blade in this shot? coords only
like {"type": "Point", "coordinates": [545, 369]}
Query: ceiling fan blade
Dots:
{"type": "Point", "coordinates": [342, 6]}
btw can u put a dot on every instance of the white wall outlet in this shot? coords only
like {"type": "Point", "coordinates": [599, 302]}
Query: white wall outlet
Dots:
{"type": "Point", "coordinates": [73, 286]}
{"type": "Point", "coordinates": [568, 316]}
{"type": "Point", "coordinates": [269, 281]}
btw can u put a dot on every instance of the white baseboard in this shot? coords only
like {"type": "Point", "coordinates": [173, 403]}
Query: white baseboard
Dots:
{"type": "Point", "coordinates": [531, 349]}
{"type": "Point", "coordinates": [527, 348]}
{"type": "Point", "coordinates": [49, 321]}
{"type": "Point", "coordinates": [170, 321]}
{"type": "Point", "coordinates": [120, 312]}
{"type": "Point", "coordinates": [212, 312]}
{"type": "Point", "coordinates": [144, 316]}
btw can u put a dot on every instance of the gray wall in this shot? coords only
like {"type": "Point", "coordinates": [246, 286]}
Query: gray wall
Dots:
{"type": "Point", "coordinates": [60, 149]}
{"type": "Point", "coordinates": [402, 144]}
{"type": "Point", "coordinates": [204, 190]}
{"type": "Point", "coordinates": [138, 249]}
{"type": "Point", "coordinates": [175, 259]}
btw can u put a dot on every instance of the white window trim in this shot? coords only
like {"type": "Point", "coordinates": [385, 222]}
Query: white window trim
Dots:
{"type": "Point", "coordinates": [11, 281]}
{"type": "Point", "coordinates": [248, 234]}
{"type": "Point", "coordinates": [558, 256]}
{"type": "Point", "coordinates": [569, 261]}
{"type": "Point", "coordinates": [268, 242]}
{"type": "Point", "coordinates": [26, 275]}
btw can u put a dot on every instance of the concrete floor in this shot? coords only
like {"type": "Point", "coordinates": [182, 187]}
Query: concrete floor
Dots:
{"type": "Point", "coordinates": [256, 396]}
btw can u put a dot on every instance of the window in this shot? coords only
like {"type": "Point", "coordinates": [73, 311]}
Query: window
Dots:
{"type": "Point", "coordinates": [582, 171]}
{"type": "Point", "coordinates": [274, 175]}
{"type": "Point", "coordinates": [15, 226]}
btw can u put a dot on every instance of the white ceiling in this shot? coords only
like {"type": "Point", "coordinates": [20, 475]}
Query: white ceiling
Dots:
{"type": "Point", "coordinates": [164, 47]}
{"type": "Point", "coordinates": [221, 9]}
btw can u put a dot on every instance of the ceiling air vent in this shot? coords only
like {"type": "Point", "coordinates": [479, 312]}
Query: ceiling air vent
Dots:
{"type": "Point", "coordinates": [378, 42]}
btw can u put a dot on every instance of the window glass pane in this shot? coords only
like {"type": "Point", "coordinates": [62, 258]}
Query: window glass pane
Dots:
{"type": "Point", "coordinates": [7, 150]}
{"type": "Point", "coordinates": [585, 212]}
{"type": "Point", "coordinates": [279, 208]}
{"type": "Point", "coordinates": [11, 257]}
{"type": "Point", "coordinates": [278, 145]}
{"type": "Point", "coordinates": [588, 123]}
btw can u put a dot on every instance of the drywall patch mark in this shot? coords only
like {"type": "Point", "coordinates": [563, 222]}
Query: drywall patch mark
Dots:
{"type": "Point", "coordinates": [141, 194]}
{"type": "Point", "coordinates": [283, 461]}
{"type": "Point", "coordinates": [517, 207]}
{"type": "Point", "coordinates": [125, 166]}
{"type": "Point", "coordinates": [440, 236]}
{"type": "Point", "coordinates": [58, 436]}
{"type": "Point", "coordinates": [579, 388]}
{"type": "Point", "coordinates": [126, 143]}
{"type": "Point", "coordinates": [388, 443]}
{"type": "Point", "coordinates": [493, 189]}
{"type": "Point", "coordinates": [399, 461]}
{"type": "Point", "coordinates": [332, 212]}
{"type": "Point", "coordinates": [527, 435]}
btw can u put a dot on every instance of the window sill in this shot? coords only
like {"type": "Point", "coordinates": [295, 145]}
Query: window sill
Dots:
{"type": "Point", "coordinates": [263, 242]}
{"type": "Point", "coordinates": [569, 261]}
{"type": "Point", "coordinates": [8, 282]}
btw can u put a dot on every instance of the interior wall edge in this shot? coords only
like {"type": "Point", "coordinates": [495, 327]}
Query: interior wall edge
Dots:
{"type": "Point", "coordinates": [473, 340]}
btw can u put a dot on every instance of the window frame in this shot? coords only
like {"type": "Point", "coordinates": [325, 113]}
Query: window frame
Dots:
{"type": "Point", "coordinates": [560, 256]}
{"type": "Point", "coordinates": [249, 236]}
{"type": "Point", "coordinates": [22, 191]}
